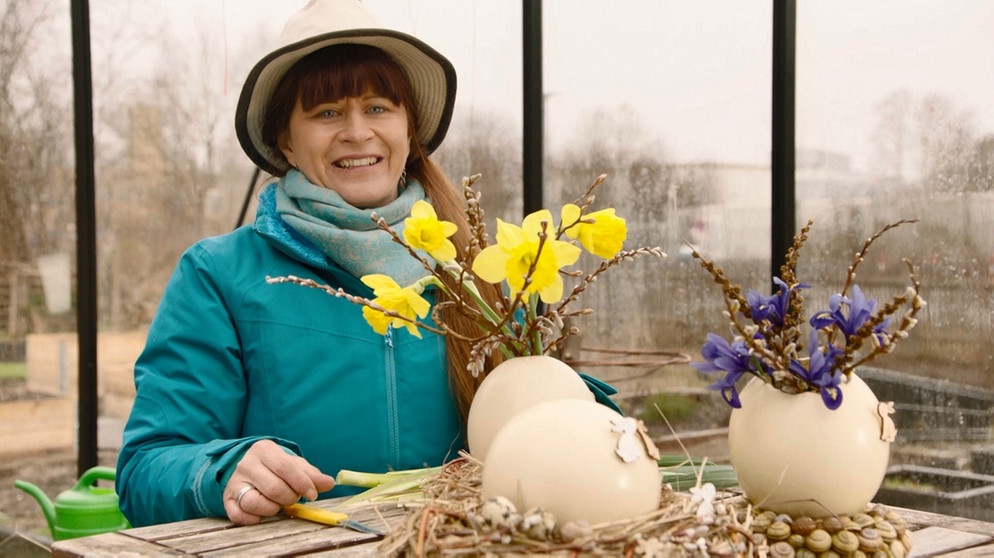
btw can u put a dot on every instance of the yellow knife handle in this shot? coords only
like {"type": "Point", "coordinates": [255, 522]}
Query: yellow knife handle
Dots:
{"type": "Point", "coordinates": [315, 514]}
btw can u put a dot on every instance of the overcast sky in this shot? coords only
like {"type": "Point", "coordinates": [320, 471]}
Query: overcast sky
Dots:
{"type": "Point", "coordinates": [693, 73]}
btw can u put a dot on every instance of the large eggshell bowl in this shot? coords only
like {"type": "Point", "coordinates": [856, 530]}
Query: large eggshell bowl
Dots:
{"type": "Point", "coordinates": [793, 455]}
{"type": "Point", "coordinates": [514, 385]}
{"type": "Point", "coordinates": [560, 456]}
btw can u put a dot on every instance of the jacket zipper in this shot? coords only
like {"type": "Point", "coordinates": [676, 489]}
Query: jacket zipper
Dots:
{"type": "Point", "coordinates": [393, 421]}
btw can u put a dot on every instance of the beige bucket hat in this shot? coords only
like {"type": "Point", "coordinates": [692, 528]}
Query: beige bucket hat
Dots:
{"type": "Point", "coordinates": [323, 23]}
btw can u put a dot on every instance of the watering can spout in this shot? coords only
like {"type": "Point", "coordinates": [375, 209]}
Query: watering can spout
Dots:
{"type": "Point", "coordinates": [47, 507]}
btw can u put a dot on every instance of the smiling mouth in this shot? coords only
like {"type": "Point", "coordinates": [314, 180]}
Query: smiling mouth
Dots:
{"type": "Point", "coordinates": [354, 163]}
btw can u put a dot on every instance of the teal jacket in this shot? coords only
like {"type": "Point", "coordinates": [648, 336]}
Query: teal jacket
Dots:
{"type": "Point", "coordinates": [231, 359]}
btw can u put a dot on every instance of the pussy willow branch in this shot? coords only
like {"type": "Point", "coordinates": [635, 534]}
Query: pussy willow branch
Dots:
{"type": "Point", "coordinates": [736, 305]}
{"type": "Point", "coordinates": [340, 293]}
{"type": "Point", "coordinates": [439, 273]}
{"type": "Point", "coordinates": [474, 216]}
{"type": "Point", "coordinates": [788, 274]}
{"type": "Point", "coordinates": [788, 271]}
{"type": "Point", "coordinates": [730, 290]}
{"type": "Point", "coordinates": [908, 321]}
{"type": "Point", "coordinates": [587, 198]}
{"type": "Point", "coordinates": [851, 275]}
{"type": "Point", "coordinates": [532, 333]}
{"type": "Point", "coordinates": [590, 278]}
{"type": "Point", "coordinates": [858, 259]}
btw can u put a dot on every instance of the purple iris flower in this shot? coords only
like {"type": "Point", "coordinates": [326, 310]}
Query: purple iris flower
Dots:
{"type": "Point", "coordinates": [821, 371]}
{"type": "Point", "coordinates": [849, 314]}
{"type": "Point", "coordinates": [773, 307]}
{"type": "Point", "coordinates": [732, 359]}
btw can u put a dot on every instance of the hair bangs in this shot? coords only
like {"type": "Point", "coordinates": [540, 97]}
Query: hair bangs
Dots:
{"type": "Point", "coordinates": [352, 71]}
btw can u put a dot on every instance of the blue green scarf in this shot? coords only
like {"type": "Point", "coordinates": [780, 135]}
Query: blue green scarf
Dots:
{"type": "Point", "coordinates": [347, 234]}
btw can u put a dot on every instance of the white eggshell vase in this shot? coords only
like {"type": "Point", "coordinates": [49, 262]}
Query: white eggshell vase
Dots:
{"type": "Point", "coordinates": [513, 386]}
{"type": "Point", "coordinates": [563, 456]}
{"type": "Point", "coordinates": [793, 455]}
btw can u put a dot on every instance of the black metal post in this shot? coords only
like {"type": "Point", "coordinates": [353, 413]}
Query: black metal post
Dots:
{"type": "Point", "coordinates": [534, 120]}
{"type": "Point", "coordinates": [86, 238]}
{"type": "Point", "coordinates": [782, 157]}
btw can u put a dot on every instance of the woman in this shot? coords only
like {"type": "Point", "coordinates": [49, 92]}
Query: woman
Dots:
{"type": "Point", "coordinates": [250, 395]}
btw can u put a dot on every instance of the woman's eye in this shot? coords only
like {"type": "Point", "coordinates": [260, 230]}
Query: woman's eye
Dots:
{"type": "Point", "coordinates": [377, 109]}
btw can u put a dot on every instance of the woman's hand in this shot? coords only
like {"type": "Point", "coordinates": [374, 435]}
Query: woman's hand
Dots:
{"type": "Point", "coordinates": [268, 478]}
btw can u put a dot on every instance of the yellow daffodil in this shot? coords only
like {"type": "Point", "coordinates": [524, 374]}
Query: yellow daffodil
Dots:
{"type": "Point", "coordinates": [516, 251]}
{"type": "Point", "coordinates": [602, 232]}
{"type": "Point", "coordinates": [405, 301]}
{"type": "Point", "coordinates": [424, 231]}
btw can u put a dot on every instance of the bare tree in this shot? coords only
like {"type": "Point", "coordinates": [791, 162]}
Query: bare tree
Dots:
{"type": "Point", "coordinates": [981, 170]}
{"type": "Point", "coordinates": [892, 133]}
{"type": "Point", "coordinates": [488, 145]}
{"type": "Point", "coordinates": [162, 129]}
{"type": "Point", "coordinates": [35, 133]}
{"type": "Point", "coordinates": [945, 143]}
{"type": "Point", "coordinates": [929, 139]}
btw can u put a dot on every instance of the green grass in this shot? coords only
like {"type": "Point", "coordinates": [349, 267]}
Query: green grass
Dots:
{"type": "Point", "coordinates": [677, 407]}
{"type": "Point", "coordinates": [10, 370]}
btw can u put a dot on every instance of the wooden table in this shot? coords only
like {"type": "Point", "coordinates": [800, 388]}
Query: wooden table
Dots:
{"type": "Point", "coordinates": [932, 535]}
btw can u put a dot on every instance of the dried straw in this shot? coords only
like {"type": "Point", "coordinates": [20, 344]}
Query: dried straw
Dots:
{"type": "Point", "coordinates": [450, 522]}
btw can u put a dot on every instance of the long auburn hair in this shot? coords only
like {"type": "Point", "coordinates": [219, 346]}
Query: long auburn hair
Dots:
{"type": "Point", "coordinates": [351, 70]}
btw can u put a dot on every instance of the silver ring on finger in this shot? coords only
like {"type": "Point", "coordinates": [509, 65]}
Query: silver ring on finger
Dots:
{"type": "Point", "coordinates": [241, 493]}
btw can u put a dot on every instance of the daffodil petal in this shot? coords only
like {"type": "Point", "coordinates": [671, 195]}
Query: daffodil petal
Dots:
{"type": "Point", "coordinates": [376, 319]}
{"type": "Point", "coordinates": [570, 214]}
{"type": "Point", "coordinates": [423, 210]}
{"type": "Point", "coordinates": [508, 234]}
{"type": "Point", "coordinates": [378, 282]}
{"type": "Point", "coordinates": [417, 303]}
{"type": "Point", "coordinates": [413, 329]}
{"type": "Point", "coordinates": [565, 253]}
{"type": "Point", "coordinates": [553, 292]}
{"type": "Point", "coordinates": [532, 225]}
{"type": "Point", "coordinates": [490, 264]}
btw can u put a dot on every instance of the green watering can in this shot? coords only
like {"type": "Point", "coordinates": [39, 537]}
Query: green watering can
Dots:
{"type": "Point", "coordinates": [83, 510]}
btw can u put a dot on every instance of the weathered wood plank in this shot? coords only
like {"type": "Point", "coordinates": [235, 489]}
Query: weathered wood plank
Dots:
{"type": "Point", "coordinates": [109, 544]}
{"type": "Point", "coordinates": [182, 528]}
{"type": "Point", "coordinates": [322, 538]}
{"type": "Point", "coordinates": [985, 551]}
{"type": "Point", "coordinates": [203, 543]}
{"type": "Point", "coordinates": [934, 541]}
{"type": "Point", "coordinates": [921, 519]}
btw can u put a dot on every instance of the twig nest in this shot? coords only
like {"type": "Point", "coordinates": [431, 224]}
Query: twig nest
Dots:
{"type": "Point", "coordinates": [500, 512]}
{"type": "Point", "coordinates": [571, 458]}
{"type": "Point", "coordinates": [513, 386]}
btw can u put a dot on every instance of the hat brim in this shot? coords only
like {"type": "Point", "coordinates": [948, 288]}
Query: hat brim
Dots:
{"type": "Point", "coordinates": [432, 78]}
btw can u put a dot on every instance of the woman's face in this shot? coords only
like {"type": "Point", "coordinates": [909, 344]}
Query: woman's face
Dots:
{"type": "Point", "coordinates": [356, 146]}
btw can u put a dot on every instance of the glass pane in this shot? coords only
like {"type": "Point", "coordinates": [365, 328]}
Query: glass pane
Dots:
{"type": "Point", "coordinates": [671, 100]}
{"type": "Point", "coordinates": [894, 122]}
{"type": "Point", "coordinates": [166, 77]}
{"type": "Point", "coordinates": [37, 258]}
